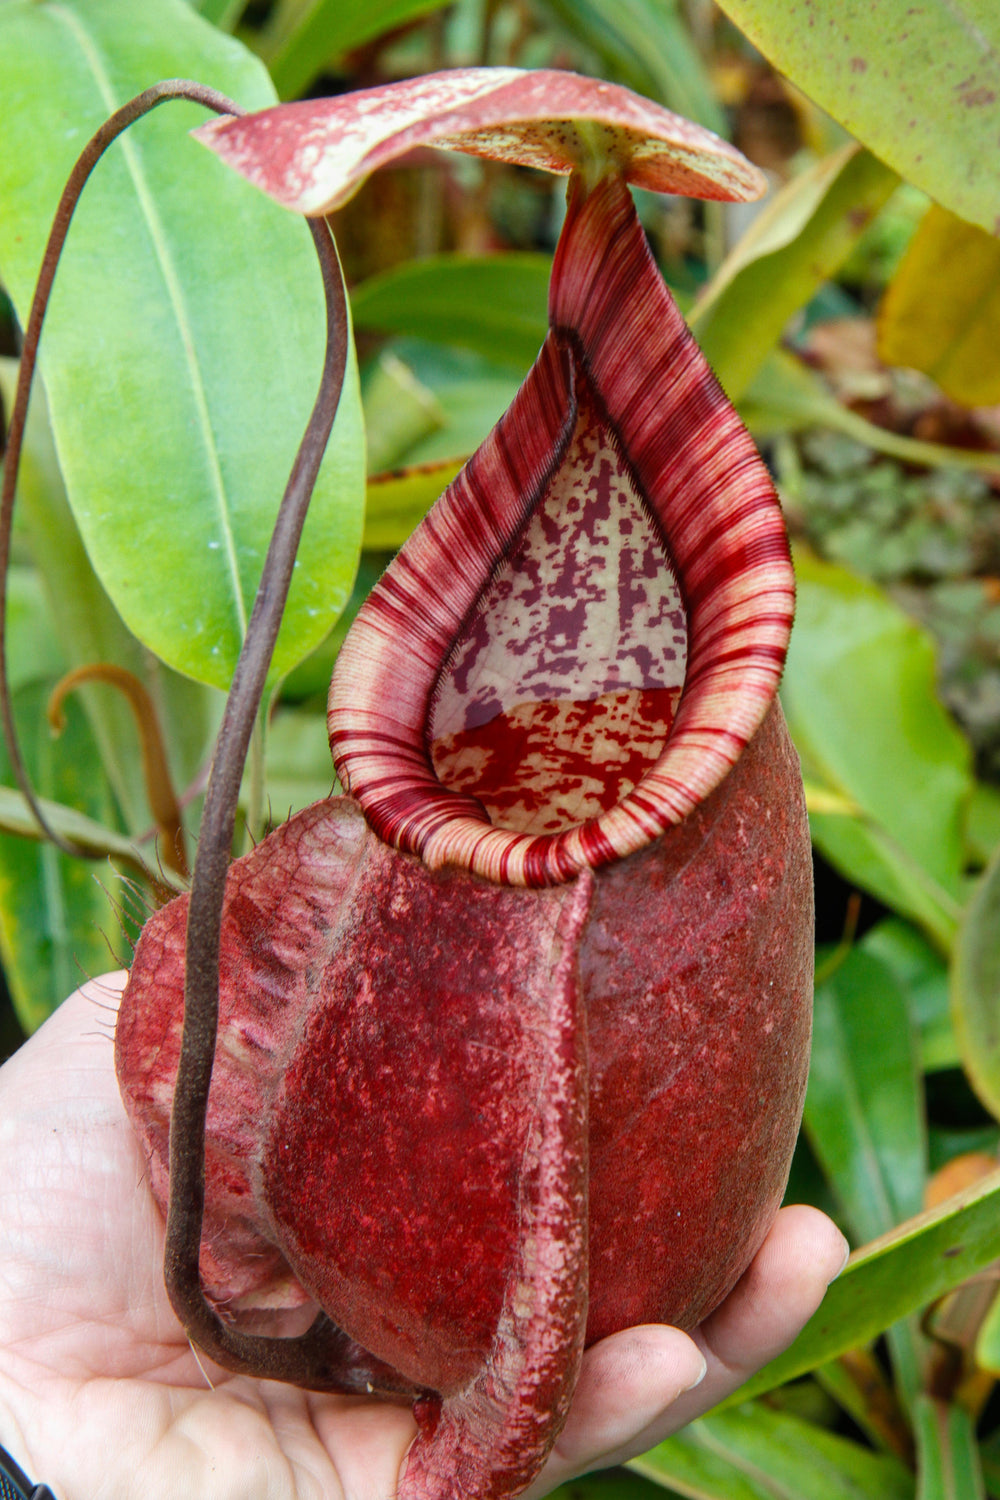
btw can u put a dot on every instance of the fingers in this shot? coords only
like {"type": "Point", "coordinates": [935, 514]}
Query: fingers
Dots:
{"type": "Point", "coordinates": [627, 1383]}
{"type": "Point", "coordinates": [775, 1298]}
{"type": "Point", "coordinates": [641, 1385]}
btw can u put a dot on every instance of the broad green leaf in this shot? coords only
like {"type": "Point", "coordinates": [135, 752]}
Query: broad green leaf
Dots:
{"type": "Point", "coordinates": [859, 694]}
{"type": "Point", "coordinates": [185, 336]}
{"type": "Point", "coordinates": [397, 502]}
{"type": "Point", "coordinates": [494, 304]}
{"type": "Point", "coordinates": [918, 85]}
{"type": "Point", "coordinates": [472, 391]}
{"type": "Point", "coordinates": [976, 988]}
{"type": "Point", "coordinates": [922, 975]}
{"type": "Point", "coordinates": [863, 1112]}
{"type": "Point", "coordinates": [982, 828]}
{"type": "Point", "coordinates": [311, 678]}
{"type": "Point", "coordinates": [33, 652]}
{"type": "Point", "coordinates": [57, 915]}
{"type": "Point", "coordinates": [91, 630]}
{"type": "Point", "coordinates": [792, 246]}
{"type": "Point", "coordinates": [872, 859]}
{"type": "Point", "coordinates": [648, 46]}
{"type": "Point", "coordinates": [941, 310]}
{"type": "Point", "coordinates": [303, 37]}
{"type": "Point", "coordinates": [752, 1453]}
{"type": "Point", "coordinates": [221, 13]}
{"type": "Point", "coordinates": [399, 411]}
{"type": "Point", "coordinates": [786, 396]}
{"type": "Point", "coordinates": [948, 1466]}
{"type": "Point", "coordinates": [892, 1277]}
{"type": "Point", "coordinates": [422, 428]}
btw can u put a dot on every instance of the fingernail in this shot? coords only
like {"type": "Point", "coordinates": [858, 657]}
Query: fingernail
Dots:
{"type": "Point", "coordinates": [843, 1263]}
{"type": "Point", "coordinates": [699, 1377]}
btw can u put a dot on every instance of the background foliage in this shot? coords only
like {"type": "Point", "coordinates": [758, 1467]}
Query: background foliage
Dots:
{"type": "Point", "coordinates": [855, 319]}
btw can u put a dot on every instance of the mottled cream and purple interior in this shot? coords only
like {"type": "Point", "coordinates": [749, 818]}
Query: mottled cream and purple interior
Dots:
{"type": "Point", "coordinates": [562, 688]}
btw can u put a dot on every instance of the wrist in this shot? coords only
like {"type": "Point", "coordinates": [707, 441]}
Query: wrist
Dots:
{"type": "Point", "coordinates": [15, 1484]}
{"type": "Point", "coordinates": [20, 1468]}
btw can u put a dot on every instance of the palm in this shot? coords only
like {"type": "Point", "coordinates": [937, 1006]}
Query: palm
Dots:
{"type": "Point", "coordinates": [102, 1393]}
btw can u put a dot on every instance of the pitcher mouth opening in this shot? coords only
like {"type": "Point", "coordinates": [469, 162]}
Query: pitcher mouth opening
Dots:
{"type": "Point", "coordinates": [577, 643]}
{"type": "Point", "coordinates": [561, 689]}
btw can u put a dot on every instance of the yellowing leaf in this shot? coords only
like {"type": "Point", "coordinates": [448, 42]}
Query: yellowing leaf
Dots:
{"type": "Point", "coordinates": [941, 312]}
{"type": "Point", "coordinates": [398, 501]}
{"type": "Point", "coordinates": [919, 85]}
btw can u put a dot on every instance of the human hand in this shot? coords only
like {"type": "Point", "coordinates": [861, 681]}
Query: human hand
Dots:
{"type": "Point", "coordinates": [101, 1393]}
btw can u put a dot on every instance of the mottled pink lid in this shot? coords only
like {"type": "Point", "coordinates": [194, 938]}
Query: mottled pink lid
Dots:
{"type": "Point", "coordinates": [313, 156]}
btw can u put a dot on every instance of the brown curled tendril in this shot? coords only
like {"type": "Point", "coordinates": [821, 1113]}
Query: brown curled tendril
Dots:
{"type": "Point", "coordinates": [315, 1358]}
{"type": "Point", "coordinates": [160, 792]}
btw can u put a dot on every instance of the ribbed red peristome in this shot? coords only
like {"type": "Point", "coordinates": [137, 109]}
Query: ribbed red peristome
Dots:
{"type": "Point", "coordinates": [615, 325]}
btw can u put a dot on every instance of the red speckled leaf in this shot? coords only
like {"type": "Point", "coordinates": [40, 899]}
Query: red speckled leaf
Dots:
{"type": "Point", "coordinates": [580, 639]}
{"type": "Point", "coordinates": [312, 156]}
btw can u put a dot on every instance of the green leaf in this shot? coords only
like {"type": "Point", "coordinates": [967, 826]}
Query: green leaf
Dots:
{"type": "Point", "coordinates": [863, 1112]}
{"type": "Point", "coordinates": [608, 1484]}
{"type": "Point", "coordinates": [311, 678]}
{"type": "Point", "coordinates": [989, 1453]}
{"type": "Point", "coordinates": [185, 337]}
{"type": "Point", "coordinates": [472, 392]}
{"type": "Point", "coordinates": [891, 1278]}
{"type": "Point", "coordinates": [861, 1388]}
{"type": "Point", "coordinates": [859, 694]}
{"type": "Point", "coordinates": [221, 13]}
{"type": "Point", "coordinates": [33, 652]}
{"type": "Point", "coordinates": [786, 396]}
{"type": "Point", "coordinates": [795, 242]}
{"type": "Point", "coordinates": [987, 1351]}
{"type": "Point", "coordinates": [399, 411]}
{"type": "Point", "coordinates": [922, 975]}
{"type": "Point", "coordinates": [303, 37]}
{"type": "Point", "coordinates": [397, 502]}
{"type": "Point", "coordinates": [752, 1453]}
{"type": "Point", "coordinates": [919, 85]}
{"type": "Point", "coordinates": [982, 830]}
{"type": "Point", "coordinates": [57, 915]}
{"type": "Point", "coordinates": [948, 1466]}
{"type": "Point", "coordinates": [648, 46]}
{"type": "Point", "coordinates": [941, 310]}
{"type": "Point", "coordinates": [90, 630]}
{"type": "Point", "coordinates": [97, 838]}
{"type": "Point", "coordinates": [494, 304]}
{"type": "Point", "coordinates": [976, 988]}
{"type": "Point", "coordinates": [299, 765]}
{"type": "Point", "coordinates": [421, 430]}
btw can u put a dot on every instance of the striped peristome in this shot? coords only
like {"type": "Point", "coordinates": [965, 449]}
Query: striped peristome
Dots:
{"type": "Point", "coordinates": [605, 757]}
{"type": "Point", "coordinates": [616, 334]}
